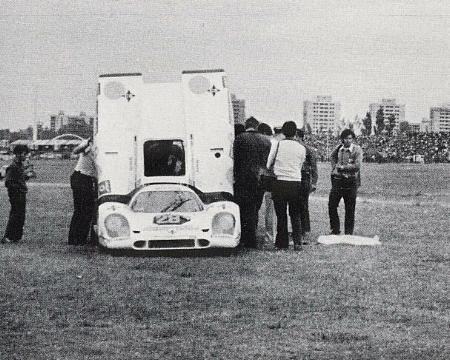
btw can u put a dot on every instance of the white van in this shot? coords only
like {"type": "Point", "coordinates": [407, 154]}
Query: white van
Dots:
{"type": "Point", "coordinates": [164, 159]}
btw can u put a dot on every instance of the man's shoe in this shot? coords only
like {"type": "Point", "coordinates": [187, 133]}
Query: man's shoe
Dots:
{"type": "Point", "coordinates": [5, 240]}
{"type": "Point", "coordinates": [298, 247]}
{"type": "Point", "coordinates": [335, 232]}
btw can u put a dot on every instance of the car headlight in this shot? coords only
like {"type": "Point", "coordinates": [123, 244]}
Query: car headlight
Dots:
{"type": "Point", "coordinates": [223, 223]}
{"type": "Point", "coordinates": [117, 226]}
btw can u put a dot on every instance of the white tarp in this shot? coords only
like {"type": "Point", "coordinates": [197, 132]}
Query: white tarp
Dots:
{"type": "Point", "coordinates": [348, 239]}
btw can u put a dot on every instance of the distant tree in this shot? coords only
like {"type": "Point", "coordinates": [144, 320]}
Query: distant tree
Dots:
{"type": "Point", "coordinates": [308, 128]}
{"type": "Point", "coordinates": [79, 128]}
{"type": "Point", "coordinates": [5, 134]}
{"type": "Point", "coordinates": [380, 120]}
{"type": "Point", "coordinates": [341, 125]}
{"type": "Point", "coordinates": [357, 124]}
{"type": "Point", "coordinates": [22, 134]}
{"type": "Point", "coordinates": [391, 123]}
{"type": "Point", "coordinates": [367, 122]}
{"type": "Point", "coordinates": [47, 134]}
{"type": "Point", "coordinates": [404, 126]}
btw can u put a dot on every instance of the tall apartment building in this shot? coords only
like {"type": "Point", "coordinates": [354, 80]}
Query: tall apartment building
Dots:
{"type": "Point", "coordinates": [389, 107]}
{"type": "Point", "coordinates": [322, 115]}
{"type": "Point", "coordinates": [57, 121]}
{"type": "Point", "coordinates": [238, 109]}
{"type": "Point", "coordinates": [440, 118]}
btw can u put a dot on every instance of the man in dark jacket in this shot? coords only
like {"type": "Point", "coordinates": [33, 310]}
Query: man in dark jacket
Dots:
{"type": "Point", "coordinates": [16, 175]}
{"type": "Point", "coordinates": [250, 152]}
{"type": "Point", "coordinates": [308, 184]}
{"type": "Point", "coordinates": [346, 162]}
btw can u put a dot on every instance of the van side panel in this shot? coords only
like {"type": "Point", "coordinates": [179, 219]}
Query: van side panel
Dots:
{"type": "Point", "coordinates": [210, 129]}
{"type": "Point", "coordinates": [118, 113]}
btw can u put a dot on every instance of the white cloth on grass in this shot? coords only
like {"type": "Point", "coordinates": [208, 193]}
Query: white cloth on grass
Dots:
{"type": "Point", "coordinates": [348, 239]}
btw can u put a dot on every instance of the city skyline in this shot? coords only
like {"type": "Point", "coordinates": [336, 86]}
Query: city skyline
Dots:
{"type": "Point", "coordinates": [276, 54]}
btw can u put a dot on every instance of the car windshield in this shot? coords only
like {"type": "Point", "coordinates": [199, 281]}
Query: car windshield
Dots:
{"type": "Point", "coordinates": [166, 201]}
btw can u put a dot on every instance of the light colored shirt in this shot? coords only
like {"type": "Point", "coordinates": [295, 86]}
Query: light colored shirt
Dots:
{"type": "Point", "coordinates": [344, 155]}
{"type": "Point", "coordinates": [86, 164]}
{"type": "Point", "coordinates": [288, 160]}
{"type": "Point", "coordinates": [348, 160]}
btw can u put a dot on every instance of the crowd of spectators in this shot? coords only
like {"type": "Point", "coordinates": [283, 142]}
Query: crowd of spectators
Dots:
{"type": "Point", "coordinates": [405, 147]}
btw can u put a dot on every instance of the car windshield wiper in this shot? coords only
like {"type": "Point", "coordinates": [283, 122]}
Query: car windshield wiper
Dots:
{"type": "Point", "coordinates": [175, 205]}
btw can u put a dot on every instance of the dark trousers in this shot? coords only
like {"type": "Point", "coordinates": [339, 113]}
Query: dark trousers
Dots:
{"type": "Point", "coordinates": [304, 206]}
{"type": "Point", "coordinates": [14, 228]}
{"type": "Point", "coordinates": [287, 193]}
{"type": "Point", "coordinates": [249, 200]}
{"type": "Point", "coordinates": [84, 208]}
{"type": "Point", "coordinates": [349, 196]}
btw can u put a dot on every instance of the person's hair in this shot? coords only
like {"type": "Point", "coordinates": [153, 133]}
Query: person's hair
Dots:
{"type": "Point", "coordinates": [277, 129]}
{"type": "Point", "coordinates": [20, 149]}
{"type": "Point", "coordinates": [265, 129]}
{"type": "Point", "coordinates": [289, 129]}
{"type": "Point", "coordinates": [238, 128]}
{"type": "Point", "coordinates": [301, 133]}
{"type": "Point", "coordinates": [251, 122]}
{"type": "Point", "coordinates": [347, 132]}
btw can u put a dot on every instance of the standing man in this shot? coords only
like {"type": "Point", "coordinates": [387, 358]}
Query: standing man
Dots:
{"type": "Point", "coordinates": [250, 152]}
{"type": "Point", "coordinates": [82, 182]}
{"type": "Point", "coordinates": [346, 162]}
{"type": "Point", "coordinates": [308, 183]}
{"type": "Point", "coordinates": [15, 177]}
{"type": "Point", "coordinates": [287, 157]}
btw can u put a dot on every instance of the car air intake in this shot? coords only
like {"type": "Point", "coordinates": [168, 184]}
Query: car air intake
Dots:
{"type": "Point", "coordinates": [165, 244]}
{"type": "Point", "coordinates": [203, 242]}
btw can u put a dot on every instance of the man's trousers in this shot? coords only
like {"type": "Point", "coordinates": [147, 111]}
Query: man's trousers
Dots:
{"type": "Point", "coordinates": [305, 188]}
{"type": "Point", "coordinates": [287, 193]}
{"type": "Point", "coordinates": [16, 221]}
{"type": "Point", "coordinates": [249, 200]}
{"type": "Point", "coordinates": [84, 208]}
{"type": "Point", "coordinates": [349, 196]}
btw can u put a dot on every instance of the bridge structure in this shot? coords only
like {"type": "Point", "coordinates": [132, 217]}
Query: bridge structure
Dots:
{"type": "Point", "coordinates": [58, 143]}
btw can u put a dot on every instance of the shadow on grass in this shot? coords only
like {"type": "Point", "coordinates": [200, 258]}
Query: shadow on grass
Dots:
{"type": "Point", "coordinates": [176, 253]}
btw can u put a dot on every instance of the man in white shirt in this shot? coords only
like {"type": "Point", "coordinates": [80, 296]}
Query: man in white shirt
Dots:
{"type": "Point", "coordinates": [287, 157]}
{"type": "Point", "coordinates": [83, 182]}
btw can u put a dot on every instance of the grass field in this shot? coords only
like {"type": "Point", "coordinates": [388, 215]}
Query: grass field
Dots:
{"type": "Point", "coordinates": [327, 302]}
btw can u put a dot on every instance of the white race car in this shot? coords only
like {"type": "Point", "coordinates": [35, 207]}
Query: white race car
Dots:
{"type": "Point", "coordinates": [167, 216]}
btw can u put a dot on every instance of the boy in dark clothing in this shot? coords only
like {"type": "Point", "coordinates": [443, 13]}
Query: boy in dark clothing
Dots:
{"type": "Point", "coordinates": [16, 175]}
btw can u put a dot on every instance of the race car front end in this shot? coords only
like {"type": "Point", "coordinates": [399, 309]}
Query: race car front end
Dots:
{"type": "Point", "coordinates": [165, 217]}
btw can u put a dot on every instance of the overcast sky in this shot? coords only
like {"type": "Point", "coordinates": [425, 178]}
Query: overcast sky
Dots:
{"type": "Point", "coordinates": [276, 53]}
